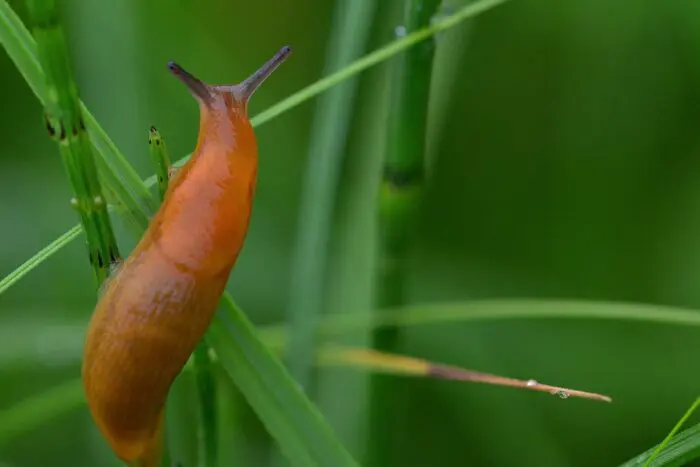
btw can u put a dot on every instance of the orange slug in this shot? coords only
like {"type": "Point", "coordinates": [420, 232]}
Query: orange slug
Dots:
{"type": "Point", "coordinates": [160, 301]}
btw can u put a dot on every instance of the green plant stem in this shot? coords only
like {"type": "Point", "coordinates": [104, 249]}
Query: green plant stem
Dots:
{"type": "Point", "coordinates": [206, 387]}
{"type": "Point", "coordinates": [349, 33]}
{"type": "Point", "coordinates": [158, 152]}
{"type": "Point", "coordinates": [117, 176]}
{"type": "Point", "coordinates": [666, 442]}
{"type": "Point", "coordinates": [270, 390]}
{"type": "Point", "coordinates": [65, 125]}
{"type": "Point", "coordinates": [399, 201]}
{"type": "Point", "coordinates": [678, 451]}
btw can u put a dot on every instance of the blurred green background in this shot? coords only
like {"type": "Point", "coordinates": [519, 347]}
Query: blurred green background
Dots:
{"type": "Point", "coordinates": [564, 164]}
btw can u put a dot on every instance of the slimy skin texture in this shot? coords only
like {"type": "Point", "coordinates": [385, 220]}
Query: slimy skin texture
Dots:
{"type": "Point", "coordinates": [158, 304]}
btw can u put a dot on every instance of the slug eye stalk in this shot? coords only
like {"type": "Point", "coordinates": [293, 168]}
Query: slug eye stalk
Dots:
{"type": "Point", "coordinates": [242, 92]}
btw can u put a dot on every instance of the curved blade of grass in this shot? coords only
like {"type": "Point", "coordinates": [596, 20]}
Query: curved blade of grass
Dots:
{"type": "Point", "coordinates": [19, 44]}
{"type": "Point", "coordinates": [12, 421]}
{"type": "Point", "coordinates": [675, 449]}
{"type": "Point", "coordinates": [294, 422]}
{"type": "Point", "coordinates": [39, 409]}
{"type": "Point", "coordinates": [43, 254]}
{"type": "Point", "coordinates": [333, 325]}
{"type": "Point", "coordinates": [349, 34]}
{"type": "Point", "coordinates": [488, 310]}
{"type": "Point", "coordinates": [57, 401]}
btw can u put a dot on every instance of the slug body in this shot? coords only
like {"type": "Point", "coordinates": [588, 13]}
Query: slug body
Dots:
{"type": "Point", "coordinates": [157, 306]}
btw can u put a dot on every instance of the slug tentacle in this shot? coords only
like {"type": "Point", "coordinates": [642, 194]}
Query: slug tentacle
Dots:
{"type": "Point", "coordinates": [241, 92]}
{"type": "Point", "coordinates": [199, 89]}
{"type": "Point", "coordinates": [245, 90]}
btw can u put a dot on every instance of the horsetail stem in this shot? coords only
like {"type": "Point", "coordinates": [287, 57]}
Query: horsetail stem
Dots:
{"type": "Point", "coordinates": [206, 386]}
{"type": "Point", "coordinates": [65, 125]}
{"type": "Point", "coordinates": [399, 200]}
{"type": "Point", "coordinates": [160, 159]}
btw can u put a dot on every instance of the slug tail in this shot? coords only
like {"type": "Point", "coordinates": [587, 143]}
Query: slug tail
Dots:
{"type": "Point", "coordinates": [153, 449]}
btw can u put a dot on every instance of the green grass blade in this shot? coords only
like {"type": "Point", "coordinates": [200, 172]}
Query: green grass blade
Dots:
{"type": "Point", "coordinates": [206, 392]}
{"type": "Point", "coordinates": [398, 204]}
{"type": "Point", "coordinates": [294, 422]}
{"type": "Point", "coordinates": [376, 57]}
{"type": "Point", "coordinates": [37, 410]}
{"type": "Point", "coordinates": [64, 122]}
{"type": "Point", "coordinates": [332, 325]}
{"type": "Point", "coordinates": [678, 451]}
{"type": "Point", "coordinates": [349, 34]}
{"type": "Point", "coordinates": [675, 449]}
{"type": "Point", "coordinates": [44, 254]}
{"type": "Point", "coordinates": [17, 41]}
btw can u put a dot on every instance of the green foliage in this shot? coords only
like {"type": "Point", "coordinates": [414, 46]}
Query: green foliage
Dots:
{"type": "Point", "coordinates": [559, 169]}
{"type": "Point", "coordinates": [675, 449]}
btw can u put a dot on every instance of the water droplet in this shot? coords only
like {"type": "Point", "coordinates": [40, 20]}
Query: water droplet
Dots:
{"type": "Point", "coordinates": [400, 31]}
{"type": "Point", "coordinates": [563, 394]}
{"type": "Point", "coordinates": [531, 383]}
{"type": "Point", "coordinates": [99, 201]}
{"type": "Point", "coordinates": [74, 202]}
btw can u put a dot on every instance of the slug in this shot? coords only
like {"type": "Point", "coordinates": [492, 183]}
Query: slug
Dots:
{"type": "Point", "coordinates": [159, 302]}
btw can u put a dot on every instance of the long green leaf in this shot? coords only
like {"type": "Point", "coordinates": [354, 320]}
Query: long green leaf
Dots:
{"type": "Point", "coordinates": [288, 415]}
{"type": "Point", "coordinates": [19, 44]}
{"type": "Point", "coordinates": [678, 451]}
{"type": "Point", "coordinates": [331, 325]}
{"type": "Point", "coordinates": [350, 30]}
{"type": "Point", "coordinates": [40, 409]}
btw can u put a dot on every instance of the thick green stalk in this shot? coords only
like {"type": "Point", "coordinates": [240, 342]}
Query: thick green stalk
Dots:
{"type": "Point", "coordinates": [202, 364]}
{"type": "Point", "coordinates": [349, 33]}
{"type": "Point", "coordinates": [65, 125]}
{"type": "Point", "coordinates": [206, 389]}
{"type": "Point", "coordinates": [399, 200]}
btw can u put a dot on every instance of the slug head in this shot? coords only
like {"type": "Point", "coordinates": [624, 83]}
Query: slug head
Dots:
{"type": "Point", "coordinates": [237, 95]}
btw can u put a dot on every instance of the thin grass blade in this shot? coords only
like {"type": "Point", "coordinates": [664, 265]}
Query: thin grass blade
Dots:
{"type": "Point", "coordinates": [349, 34]}
{"type": "Point", "coordinates": [295, 423]}
{"type": "Point", "coordinates": [57, 401]}
{"type": "Point", "coordinates": [40, 409]}
{"type": "Point", "coordinates": [675, 449]}
{"type": "Point", "coordinates": [17, 41]}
